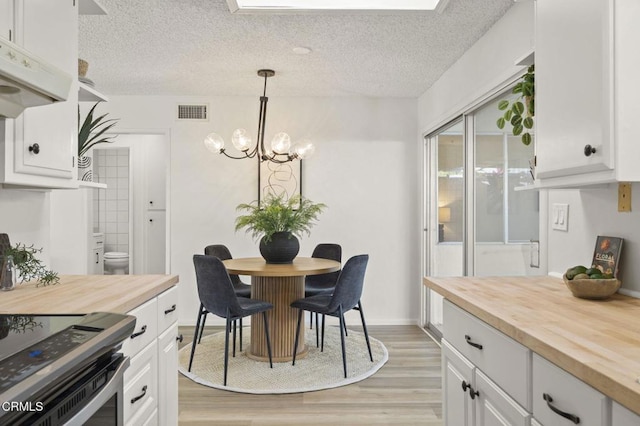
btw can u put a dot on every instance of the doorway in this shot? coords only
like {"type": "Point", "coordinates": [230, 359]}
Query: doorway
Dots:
{"type": "Point", "coordinates": [135, 204]}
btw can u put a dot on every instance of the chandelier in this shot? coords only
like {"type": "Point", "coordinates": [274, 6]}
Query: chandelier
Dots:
{"type": "Point", "coordinates": [280, 151]}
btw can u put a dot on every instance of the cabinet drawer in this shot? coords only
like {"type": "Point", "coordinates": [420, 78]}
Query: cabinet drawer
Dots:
{"type": "Point", "coordinates": [623, 417]}
{"type": "Point", "coordinates": [141, 386]}
{"type": "Point", "coordinates": [494, 406]}
{"type": "Point", "coordinates": [568, 395]}
{"type": "Point", "coordinates": [506, 361]}
{"type": "Point", "coordinates": [167, 309]}
{"type": "Point", "coordinates": [146, 328]}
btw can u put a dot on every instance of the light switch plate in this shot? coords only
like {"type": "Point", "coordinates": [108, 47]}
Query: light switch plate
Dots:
{"type": "Point", "coordinates": [560, 217]}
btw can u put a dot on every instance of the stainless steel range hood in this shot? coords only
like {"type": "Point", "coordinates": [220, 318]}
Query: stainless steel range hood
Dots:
{"type": "Point", "coordinates": [27, 81]}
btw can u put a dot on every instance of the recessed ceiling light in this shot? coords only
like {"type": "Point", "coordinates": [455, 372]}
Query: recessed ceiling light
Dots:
{"type": "Point", "coordinates": [301, 50]}
{"type": "Point", "coordinates": [332, 5]}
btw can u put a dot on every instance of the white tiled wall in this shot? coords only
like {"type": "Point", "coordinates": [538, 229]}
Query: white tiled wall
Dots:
{"type": "Point", "coordinates": [111, 208]}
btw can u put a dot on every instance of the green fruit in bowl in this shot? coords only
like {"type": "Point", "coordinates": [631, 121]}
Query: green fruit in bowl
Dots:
{"type": "Point", "coordinates": [596, 276]}
{"type": "Point", "coordinates": [572, 272]}
{"type": "Point", "coordinates": [592, 271]}
{"type": "Point", "coordinates": [607, 276]}
{"type": "Point", "coordinates": [581, 277]}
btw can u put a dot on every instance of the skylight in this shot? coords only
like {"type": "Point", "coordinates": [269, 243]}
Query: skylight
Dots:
{"type": "Point", "coordinates": [334, 5]}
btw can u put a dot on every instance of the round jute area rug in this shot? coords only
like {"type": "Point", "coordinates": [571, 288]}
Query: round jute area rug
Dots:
{"type": "Point", "coordinates": [318, 370]}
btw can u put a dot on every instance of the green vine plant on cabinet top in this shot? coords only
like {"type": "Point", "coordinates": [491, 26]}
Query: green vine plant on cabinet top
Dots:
{"type": "Point", "coordinates": [521, 111]}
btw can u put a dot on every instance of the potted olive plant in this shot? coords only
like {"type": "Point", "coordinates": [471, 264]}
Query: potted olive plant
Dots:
{"type": "Point", "coordinates": [278, 221]}
{"type": "Point", "coordinates": [91, 133]}
{"type": "Point", "coordinates": [27, 266]}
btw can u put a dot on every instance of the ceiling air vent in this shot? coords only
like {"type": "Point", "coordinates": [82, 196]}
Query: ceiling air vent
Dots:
{"type": "Point", "coordinates": [193, 112]}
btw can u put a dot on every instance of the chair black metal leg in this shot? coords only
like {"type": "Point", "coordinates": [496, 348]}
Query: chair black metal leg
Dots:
{"type": "Point", "coordinates": [195, 336]}
{"type": "Point", "coordinates": [240, 334]}
{"type": "Point", "coordinates": [234, 322]}
{"type": "Point", "coordinates": [346, 333]}
{"type": "Point", "coordinates": [266, 332]}
{"type": "Point", "coordinates": [317, 330]}
{"type": "Point", "coordinates": [311, 321]}
{"type": "Point", "coordinates": [364, 327]}
{"type": "Point", "coordinates": [203, 314]}
{"type": "Point", "coordinates": [322, 340]}
{"type": "Point", "coordinates": [295, 343]}
{"type": "Point", "coordinates": [226, 348]}
{"type": "Point", "coordinates": [344, 355]}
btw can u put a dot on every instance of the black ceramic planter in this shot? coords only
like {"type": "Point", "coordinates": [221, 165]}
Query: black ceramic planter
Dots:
{"type": "Point", "coordinates": [282, 248]}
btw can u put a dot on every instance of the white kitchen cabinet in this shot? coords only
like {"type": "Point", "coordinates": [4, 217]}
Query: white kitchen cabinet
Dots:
{"type": "Point", "coordinates": [96, 255]}
{"type": "Point", "coordinates": [559, 397]}
{"type": "Point", "coordinates": [6, 19]}
{"type": "Point", "coordinates": [472, 398]}
{"type": "Point", "coordinates": [457, 375]}
{"type": "Point", "coordinates": [155, 176]}
{"type": "Point", "coordinates": [622, 417]}
{"type": "Point", "coordinates": [155, 242]}
{"type": "Point", "coordinates": [168, 375]}
{"type": "Point", "coordinates": [40, 145]}
{"type": "Point", "coordinates": [154, 348]}
{"type": "Point", "coordinates": [586, 61]}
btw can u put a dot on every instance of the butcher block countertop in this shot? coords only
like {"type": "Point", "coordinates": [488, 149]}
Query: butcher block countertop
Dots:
{"type": "Point", "coordinates": [85, 293]}
{"type": "Point", "coordinates": [597, 341]}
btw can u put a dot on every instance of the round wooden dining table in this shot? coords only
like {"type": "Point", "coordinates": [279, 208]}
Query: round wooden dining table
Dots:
{"type": "Point", "coordinates": [278, 284]}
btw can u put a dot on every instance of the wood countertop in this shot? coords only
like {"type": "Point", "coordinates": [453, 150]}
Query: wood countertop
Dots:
{"type": "Point", "coordinates": [596, 341]}
{"type": "Point", "coordinates": [85, 293]}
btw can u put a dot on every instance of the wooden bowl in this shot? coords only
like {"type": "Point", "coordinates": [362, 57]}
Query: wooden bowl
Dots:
{"type": "Point", "coordinates": [592, 289]}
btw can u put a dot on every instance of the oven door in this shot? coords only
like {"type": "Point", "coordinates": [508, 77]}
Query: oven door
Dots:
{"type": "Point", "coordinates": [93, 397]}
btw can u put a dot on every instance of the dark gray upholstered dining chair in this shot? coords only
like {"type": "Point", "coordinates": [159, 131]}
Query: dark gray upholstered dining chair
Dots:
{"type": "Point", "coordinates": [322, 283]}
{"type": "Point", "coordinates": [346, 296]}
{"type": "Point", "coordinates": [217, 294]}
{"type": "Point", "coordinates": [241, 289]}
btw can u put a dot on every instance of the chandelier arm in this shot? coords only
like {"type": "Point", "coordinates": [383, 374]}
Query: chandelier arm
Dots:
{"type": "Point", "coordinates": [253, 154]}
{"type": "Point", "coordinates": [261, 126]}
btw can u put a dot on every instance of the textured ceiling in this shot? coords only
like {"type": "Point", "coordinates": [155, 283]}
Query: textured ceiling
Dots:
{"type": "Point", "coordinates": [197, 47]}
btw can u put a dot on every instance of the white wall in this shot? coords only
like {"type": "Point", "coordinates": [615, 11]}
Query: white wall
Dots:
{"type": "Point", "coordinates": [366, 169]}
{"type": "Point", "coordinates": [24, 215]}
{"type": "Point", "coordinates": [594, 212]}
{"type": "Point", "coordinates": [486, 65]}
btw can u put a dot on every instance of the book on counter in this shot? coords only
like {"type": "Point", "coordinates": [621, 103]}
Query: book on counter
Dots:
{"type": "Point", "coordinates": [606, 255]}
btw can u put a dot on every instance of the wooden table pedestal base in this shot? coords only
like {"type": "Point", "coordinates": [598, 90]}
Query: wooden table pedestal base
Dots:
{"type": "Point", "coordinates": [280, 291]}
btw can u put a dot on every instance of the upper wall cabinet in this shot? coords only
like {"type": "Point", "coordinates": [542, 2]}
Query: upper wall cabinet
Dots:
{"type": "Point", "coordinates": [586, 92]}
{"type": "Point", "coordinates": [40, 145]}
{"type": "Point", "coordinates": [6, 19]}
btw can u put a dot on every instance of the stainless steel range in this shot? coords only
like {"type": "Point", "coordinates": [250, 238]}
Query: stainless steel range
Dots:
{"type": "Point", "coordinates": [62, 369]}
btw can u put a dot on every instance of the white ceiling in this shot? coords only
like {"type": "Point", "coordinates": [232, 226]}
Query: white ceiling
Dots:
{"type": "Point", "coordinates": [197, 47]}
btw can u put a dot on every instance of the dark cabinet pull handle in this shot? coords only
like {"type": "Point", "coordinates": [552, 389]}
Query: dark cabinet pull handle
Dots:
{"type": "Point", "coordinates": [150, 220]}
{"type": "Point", "coordinates": [475, 345]}
{"type": "Point", "coordinates": [97, 258]}
{"type": "Point", "coordinates": [574, 419]}
{"type": "Point", "coordinates": [180, 338]}
{"type": "Point", "coordinates": [140, 333]}
{"type": "Point", "coordinates": [151, 202]}
{"type": "Point", "coordinates": [465, 386]}
{"type": "Point", "coordinates": [473, 393]}
{"type": "Point", "coordinates": [139, 397]}
{"type": "Point", "coordinates": [171, 309]}
{"type": "Point", "coordinates": [35, 148]}
{"type": "Point", "coordinates": [588, 150]}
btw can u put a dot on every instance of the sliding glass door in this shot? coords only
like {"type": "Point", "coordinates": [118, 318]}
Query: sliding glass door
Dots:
{"type": "Point", "coordinates": [475, 221]}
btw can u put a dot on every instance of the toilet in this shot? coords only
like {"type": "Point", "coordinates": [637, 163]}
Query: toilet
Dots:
{"type": "Point", "coordinates": [116, 263]}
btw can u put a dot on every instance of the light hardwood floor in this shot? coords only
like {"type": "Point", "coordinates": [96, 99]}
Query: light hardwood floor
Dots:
{"type": "Point", "coordinates": [405, 391]}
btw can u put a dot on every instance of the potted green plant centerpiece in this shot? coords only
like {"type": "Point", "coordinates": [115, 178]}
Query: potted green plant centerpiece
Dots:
{"type": "Point", "coordinates": [278, 222]}
{"type": "Point", "coordinates": [91, 133]}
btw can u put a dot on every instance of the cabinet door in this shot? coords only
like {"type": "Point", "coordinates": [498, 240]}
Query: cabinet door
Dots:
{"type": "Point", "coordinates": [6, 19]}
{"type": "Point", "coordinates": [574, 86]}
{"type": "Point", "coordinates": [49, 29]}
{"type": "Point", "coordinates": [494, 407]}
{"type": "Point", "coordinates": [155, 249]}
{"type": "Point", "coordinates": [156, 172]}
{"type": "Point", "coordinates": [622, 417]}
{"type": "Point", "coordinates": [456, 372]}
{"type": "Point", "coordinates": [168, 376]}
